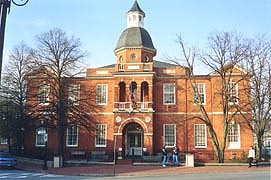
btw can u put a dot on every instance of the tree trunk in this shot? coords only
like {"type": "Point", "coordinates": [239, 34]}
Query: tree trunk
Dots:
{"type": "Point", "coordinates": [260, 145]}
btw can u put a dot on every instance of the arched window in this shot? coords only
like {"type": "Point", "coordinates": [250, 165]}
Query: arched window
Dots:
{"type": "Point", "coordinates": [120, 59]}
{"type": "Point", "coordinates": [147, 59]}
{"type": "Point", "coordinates": [144, 92]}
{"type": "Point", "coordinates": [122, 93]}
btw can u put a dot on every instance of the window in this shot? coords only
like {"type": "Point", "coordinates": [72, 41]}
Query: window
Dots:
{"type": "Point", "coordinates": [147, 59]}
{"type": "Point", "coordinates": [134, 17]}
{"type": "Point", "coordinates": [3, 141]}
{"type": "Point", "coordinates": [169, 94]}
{"type": "Point", "coordinates": [101, 94]}
{"type": "Point", "coordinates": [100, 135]}
{"type": "Point", "coordinates": [43, 96]}
{"type": "Point", "coordinates": [72, 136]}
{"type": "Point", "coordinates": [233, 92]}
{"type": "Point", "coordinates": [133, 57]}
{"type": "Point", "coordinates": [121, 67]}
{"type": "Point", "coordinates": [74, 94]}
{"type": "Point", "coordinates": [140, 18]}
{"type": "Point", "coordinates": [199, 96]}
{"type": "Point", "coordinates": [169, 134]}
{"type": "Point", "coordinates": [40, 136]}
{"type": "Point", "coordinates": [200, 136]}
{"type": "Point", "coordinates": [234, 136]}
{"type": "Point", "coordinates": [120, 59]}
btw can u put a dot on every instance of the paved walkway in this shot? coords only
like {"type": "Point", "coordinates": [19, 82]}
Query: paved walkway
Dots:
{"type": "Point", "coordinates": [138, 170]}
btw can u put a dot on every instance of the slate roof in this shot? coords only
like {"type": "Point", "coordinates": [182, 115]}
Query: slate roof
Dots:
{"type": "Point", "coordinates": [135, 37]}
{"type": "Point", "coordinates": [136, 7]}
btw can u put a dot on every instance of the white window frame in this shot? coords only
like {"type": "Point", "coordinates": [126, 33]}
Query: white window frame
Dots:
{"type": "Point", "coordinates": [43, 96]}
{"type": "Point", "coordinates": [4, 141]}
{"type": "Point", "coordinates": [202, 139]}
{"type": "Point", "coordinates": [99, 94]}
{"type": "Point", "coordinates": [73, 135]}
{"type": "Point", "coordinates": [100, 135]}
{"type": "Point", "coordinates": [169, 93]}
{"type": "Point", "coordinates": [40, 137]}
{"type": "Point", "coordinates": [200, 88]}
{"type": "Point", "coordinates": [233, 92]}
{"type": "Point", "coordinates": [121, 67]}
{"type": "Point", "coordinates": [74, 94]}
{"type": "Point", "coordinates": [231, 134]}
{"type": "Point", "coordinates": [166, 135]}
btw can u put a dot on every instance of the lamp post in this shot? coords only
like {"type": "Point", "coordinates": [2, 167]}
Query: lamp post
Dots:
{"type": "Point", "coordinates": [46, 116]}
{"type": "Point", "coordinates": [4, 9]}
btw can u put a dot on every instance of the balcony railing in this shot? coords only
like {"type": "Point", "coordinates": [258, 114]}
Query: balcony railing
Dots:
{"type": "Point", "coordinates": [133, 106]}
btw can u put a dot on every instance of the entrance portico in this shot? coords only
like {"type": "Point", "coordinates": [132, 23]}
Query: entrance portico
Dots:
{"type": "Point", "coordinates": [133, 137]}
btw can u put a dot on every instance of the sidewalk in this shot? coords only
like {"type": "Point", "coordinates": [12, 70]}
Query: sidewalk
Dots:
{"type": "Point", "coordinates": [139, 170]}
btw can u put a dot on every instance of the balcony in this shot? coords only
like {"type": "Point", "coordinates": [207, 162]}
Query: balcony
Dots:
{"type": "Point", "coordinates": [133, 107]}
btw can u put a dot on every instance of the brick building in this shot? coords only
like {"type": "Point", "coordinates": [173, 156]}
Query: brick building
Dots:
{"type": "Point", "coordinates": [144, 104]}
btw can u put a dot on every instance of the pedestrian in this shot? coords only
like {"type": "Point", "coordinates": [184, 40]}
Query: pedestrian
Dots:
{"type": "Point", "coordinates": [175, 155]}
{"type": "Point", "coordinates": [164, 155]}
{"type": "Point", "coordinates": [251, 157]}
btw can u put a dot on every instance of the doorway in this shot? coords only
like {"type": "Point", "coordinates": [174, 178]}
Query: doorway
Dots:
{"type": "Point", "coordinates": [134, 140]}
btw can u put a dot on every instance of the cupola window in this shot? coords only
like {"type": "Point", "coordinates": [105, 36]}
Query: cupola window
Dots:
{"type": "Point", "coordinates": [133, 57]}
{"type": "Point", "coordinates": [120, 59]}
{"type": "Point", "coordinates": [147, 59]}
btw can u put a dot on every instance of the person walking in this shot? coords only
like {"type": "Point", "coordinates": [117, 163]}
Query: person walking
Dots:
{"type": "Point", "coordinates": [164, 155]}
{"type": "Point", "coordinates": [251, 157]}
{"type": "Point", "coordinates": [175, 155]}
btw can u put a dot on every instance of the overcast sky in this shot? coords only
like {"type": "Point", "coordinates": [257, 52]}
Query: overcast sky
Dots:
{"type": "Point", "coordinates": [99, 23]}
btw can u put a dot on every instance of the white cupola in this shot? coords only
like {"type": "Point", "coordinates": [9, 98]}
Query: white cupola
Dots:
{"type": "Point", "coordinates": [135, 16]}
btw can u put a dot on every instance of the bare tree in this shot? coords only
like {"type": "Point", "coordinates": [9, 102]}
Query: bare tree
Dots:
{"type": "Point", "coordinates": [14, 88]}
{"type": "Point", "coordinates": [258, 62]}
{"type": "Point", "coordinates": [224, 53]}
{"type": "Point", "coordinates": [58, 58]}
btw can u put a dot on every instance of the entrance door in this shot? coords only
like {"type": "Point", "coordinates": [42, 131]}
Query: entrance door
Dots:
{"type": "Point", "coordinates": [134, 140]}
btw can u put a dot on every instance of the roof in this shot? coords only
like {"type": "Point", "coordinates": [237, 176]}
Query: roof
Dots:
{"type": "Point", "coordinates": [156, 64]}
{"type": "Point", "coordinates": [160, 64]}
{"type": "Point", "coordinates": [135, 37]}
{"type": "Point", "coordinates": [136, 8]}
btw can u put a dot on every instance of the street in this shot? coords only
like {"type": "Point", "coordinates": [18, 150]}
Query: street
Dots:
{"type": "Point", "coordinates": [11, 174]}
{"type": "Point", "coordinates": [19, 174]}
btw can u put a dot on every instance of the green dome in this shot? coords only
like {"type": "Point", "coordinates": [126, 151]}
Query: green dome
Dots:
{"type": "Point", "coordinates": [135, 37]}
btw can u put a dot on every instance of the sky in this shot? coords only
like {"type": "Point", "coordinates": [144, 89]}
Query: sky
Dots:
{"type": "Point", "coordinates": [99, 23]}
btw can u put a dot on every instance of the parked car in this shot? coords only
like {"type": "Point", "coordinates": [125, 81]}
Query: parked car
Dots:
{"type": "Point", "coordinates": [7, 160]}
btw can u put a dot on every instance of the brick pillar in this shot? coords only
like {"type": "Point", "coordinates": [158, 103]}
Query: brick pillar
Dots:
{"type": "Point", "coordinates": [148, 143]}
{"type": "Point", "coordinates": [119, 145]}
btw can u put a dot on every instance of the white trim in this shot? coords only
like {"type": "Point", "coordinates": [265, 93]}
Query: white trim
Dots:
{"type": "Point", "coordinates": [134, 75]}
{"type": "Point", "coordinates": [148, 134]}
{"type": "Point", "coordinates": [197, 113]}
